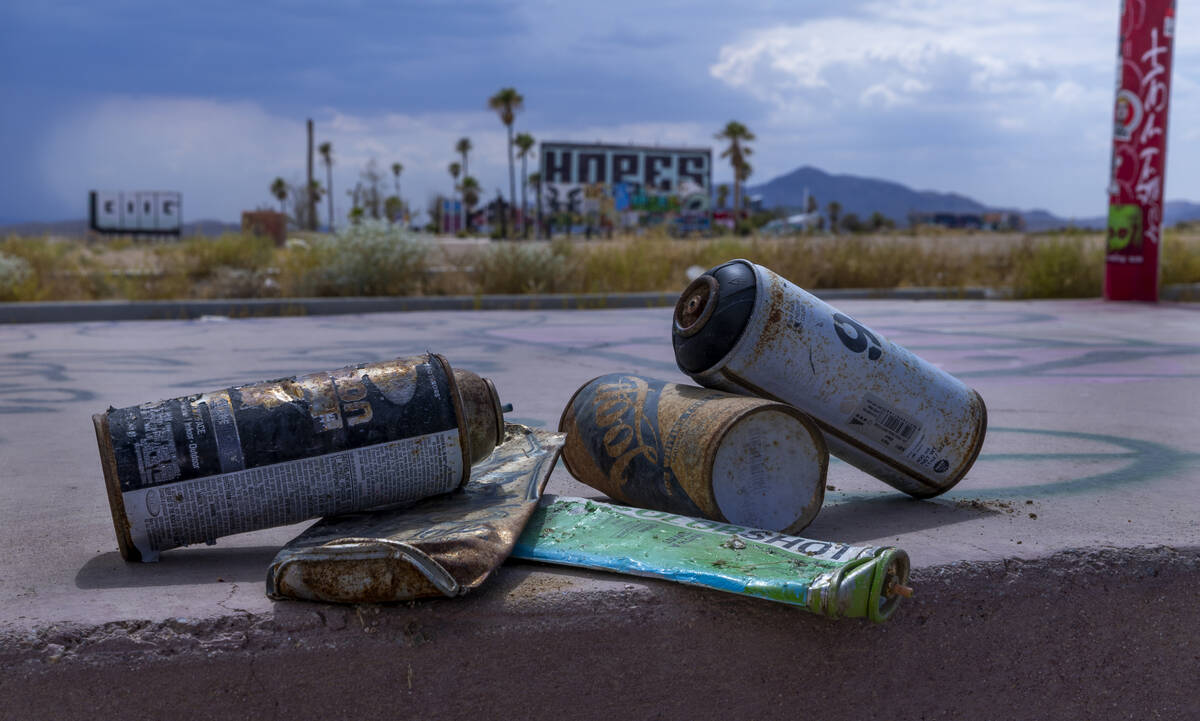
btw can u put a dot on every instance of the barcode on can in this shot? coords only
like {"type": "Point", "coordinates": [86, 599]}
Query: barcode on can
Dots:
{"type": "Point", "coordinates": [894, 423]}
{"type": "Point", "coordinates": [877, 421]}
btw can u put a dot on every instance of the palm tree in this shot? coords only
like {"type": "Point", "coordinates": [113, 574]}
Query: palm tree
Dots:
{"type": "Point", "coordinates": [326, 151]}
{"type": "Point", "coordinates": [742, 174]}
{"type": "Point", "coordinates": [507, 102]}
{"type": "Point", "coordinates": [463, 148]}
{"type": "Point", "coordinates": [736, 134]}
{"type": "Point", "coordinates": [455, 169]}
{"type": "Point", "coordinates": [722, 195]}
{"type": "Point", "coordinates": [834, 209]}
{"type": "Point", "coordinates": [397, 169]}
{"type": "Point", "coordinates": [535, 179]}
{"type": "Point", "coordinates": [470, 189]}
{"type": "Point", "coordinates": [315, 189]}
{"type": "Point", "coordinates": [524, 143]}
{"type": "Point", "coordinates": [279, 188]}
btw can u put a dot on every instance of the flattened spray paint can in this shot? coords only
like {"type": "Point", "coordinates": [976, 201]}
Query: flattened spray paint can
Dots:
{"type": "Point", "coordinates": [696, 452]}
{"type": "Point", "coordinates": [193, 469]}
{"type": "Point", "coordinates": [742, 328]}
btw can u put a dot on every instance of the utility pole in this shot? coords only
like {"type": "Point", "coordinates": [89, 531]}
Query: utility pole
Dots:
{"type": "Point", "coordinates": [308, 188]}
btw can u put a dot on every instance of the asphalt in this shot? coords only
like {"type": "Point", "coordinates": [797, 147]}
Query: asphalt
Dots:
{"type": "Point", "coordinates": [1056, 580]}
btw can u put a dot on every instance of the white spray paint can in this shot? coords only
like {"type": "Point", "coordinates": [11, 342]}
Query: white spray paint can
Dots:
{"type": "Point", "coordinates": [742, 328]}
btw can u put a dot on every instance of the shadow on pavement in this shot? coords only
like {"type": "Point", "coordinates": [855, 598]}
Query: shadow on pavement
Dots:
{"type": "Point", "coordinates": [184, 567]}
{"type": "Point", "coordinates": [860, 519]}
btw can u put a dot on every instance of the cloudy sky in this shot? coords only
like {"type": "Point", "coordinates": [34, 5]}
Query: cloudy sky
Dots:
{"type": "Point", "coordinates": [1008, 102]}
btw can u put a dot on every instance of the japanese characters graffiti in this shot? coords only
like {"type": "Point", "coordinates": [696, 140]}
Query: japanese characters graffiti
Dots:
{"type": "Point", "coordinates": [1139, 149]}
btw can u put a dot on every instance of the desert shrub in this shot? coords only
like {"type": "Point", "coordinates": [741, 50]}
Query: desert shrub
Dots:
{"type": "Point", "coordinates": [200, 257]}
{"type": "Point", "coordinates": [370, 258]}
{"type": "Point", "coordinates": [523, 268]}
{"type": "Point", "coordinates": [1180, 259]}
{"type": "Point", "coordinates": [1062, 267]}
{"type": "Point", "coordinates": [56, 269]}
{"type": "Point", "coordinates": [14, 272]}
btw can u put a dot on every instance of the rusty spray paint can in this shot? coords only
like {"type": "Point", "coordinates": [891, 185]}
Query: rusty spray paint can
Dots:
{"type": "Point", "coordinates": [696, 452]}
{"type": "Point", "coordinates": [192, 469]}
{"type": "Point", "coordinates": [742, 328]}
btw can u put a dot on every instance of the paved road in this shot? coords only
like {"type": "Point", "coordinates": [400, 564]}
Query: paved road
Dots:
{"type": "Point", "coordinates": [1092, 444]}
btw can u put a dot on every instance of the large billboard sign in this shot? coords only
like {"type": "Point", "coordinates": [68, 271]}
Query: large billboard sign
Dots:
{"type": "Point", "coordinates": [136, 213]}
{"type": "Point", "coordinates": [1139, 155]}
{"type": "Point", "coordinates": [624, 185]}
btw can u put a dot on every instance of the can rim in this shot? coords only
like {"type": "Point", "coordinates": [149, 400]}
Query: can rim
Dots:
{"type": "Point", "coordinates": [754, 325]}
{"type": "Point", "coordinates": [460, 415]}
{"type": "Point", "coordinates": [562, 419]}
{"type": "Point", "coordinates": [707, 286]}
{"type": "Point", "coordinates": [112, 486]}
{"type": "Point", "coordinates": [814, 433]}
{"type": "Point", "coordinates": [882, 609]}
{"type": "Point", "coordinates": [499, 413]}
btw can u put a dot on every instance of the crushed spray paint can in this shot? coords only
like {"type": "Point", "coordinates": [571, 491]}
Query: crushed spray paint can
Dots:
{"type": "Point", "coordinates": [193, 469]}
{"type": "Point", "coordinates": [440, 546]}
{"type": "Point", "coordinates": [831, 579]}
{"type": "Point", "coordinates": [696, 451]}
{"type": "Point", "coordinates": [742, 328]}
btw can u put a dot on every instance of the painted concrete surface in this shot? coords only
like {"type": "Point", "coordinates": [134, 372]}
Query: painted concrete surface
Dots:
{"type": "Point", "coordinates": [1092, 448]}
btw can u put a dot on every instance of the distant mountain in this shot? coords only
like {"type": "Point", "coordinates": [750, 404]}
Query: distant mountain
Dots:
{"type": "Point", "coordinates": [1180, 211]}
{"type": "Point", "coordinates": [861, 196]}
{"type": "Point", "coordinates": [1174, 213]}
{"type": "Point", "coordinates": [864, 196]}
{"type": "Point", "coordinates": [80, 227]}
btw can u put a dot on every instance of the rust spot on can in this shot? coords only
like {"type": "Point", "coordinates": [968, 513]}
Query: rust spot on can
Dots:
{"type": "Point", "coordinates": [882, 408]}
{"type": "Point", "coordinates": [193, 469]}
{"type": "Point", "coordinates": [696, 452]}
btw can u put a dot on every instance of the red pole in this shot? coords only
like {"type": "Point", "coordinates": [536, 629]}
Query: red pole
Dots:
{"type": "Point", "coordinates": [1139, 156]}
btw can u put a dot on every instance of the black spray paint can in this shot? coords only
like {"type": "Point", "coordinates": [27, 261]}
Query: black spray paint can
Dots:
{"type": "Point", "coordinates": [696, 452]}
{"type": "Point", "coordinates": [193, 469]}
{"type": "Point", "coordinates": [742, 328]}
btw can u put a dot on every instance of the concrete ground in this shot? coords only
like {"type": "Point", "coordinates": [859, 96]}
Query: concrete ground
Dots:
{"type": "Point", "coordinates": [1057, 580]}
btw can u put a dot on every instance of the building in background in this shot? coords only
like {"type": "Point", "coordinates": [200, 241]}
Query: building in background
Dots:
{"type": "Point", "coordinates": [135, 213]}
{"type": "Point", "coordinates": [599, 188]}
{"type": "Point", "coordinates": [992, 220]}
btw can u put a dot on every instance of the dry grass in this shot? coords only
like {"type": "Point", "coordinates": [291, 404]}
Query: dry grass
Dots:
{"type": "Point", "coordinates": [387, 262]}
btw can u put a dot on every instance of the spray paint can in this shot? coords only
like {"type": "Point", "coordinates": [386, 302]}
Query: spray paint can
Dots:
{"type": "Point", "coordinates": [742, 328]}
{"type": "Point", "coordinates": [696, 452]}
{"type": "Point", "coordinates": [194, 469]}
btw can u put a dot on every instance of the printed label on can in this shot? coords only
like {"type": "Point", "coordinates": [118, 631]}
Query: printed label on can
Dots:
{"type": "Point", "coordinates": [903, 413]}
{"type": "Point", "coordinates": [276, 421]}
{"type": "Point", "coordinates": [173, 514]}
{"type": "Point", "coordinates": [929, 457]}
{"type": "Point", "coordinates": [891, 429]}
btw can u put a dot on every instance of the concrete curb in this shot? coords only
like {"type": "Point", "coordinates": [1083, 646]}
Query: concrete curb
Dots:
{"type": "Point", "coordinates": [980, 640]}
{"type": "Point", "coordinates": [112, 310]}
{"type": "Point", "coordinates": [1181, 292]}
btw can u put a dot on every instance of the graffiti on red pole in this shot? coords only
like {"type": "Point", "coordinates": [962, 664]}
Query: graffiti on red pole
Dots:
{"type": "Point", "coordinates": [1135, 191]}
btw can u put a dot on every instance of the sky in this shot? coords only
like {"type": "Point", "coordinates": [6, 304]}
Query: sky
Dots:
{"type": "Point", "coordinates": [1007, 102]}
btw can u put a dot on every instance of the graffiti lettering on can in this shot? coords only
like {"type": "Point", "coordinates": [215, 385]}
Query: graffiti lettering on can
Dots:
{"type": "Point", "coordinates": [620, 411]}
{"type": "Point", "coordinates": [352, 393]}
{"type": "Point", "coordinates": [861, 340]}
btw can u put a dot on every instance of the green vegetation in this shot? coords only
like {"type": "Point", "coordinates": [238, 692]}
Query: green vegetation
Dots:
{"type": "Point", "coordinates": [377, 258]}
{"type": "Point", "coordinates": [368, 258]}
